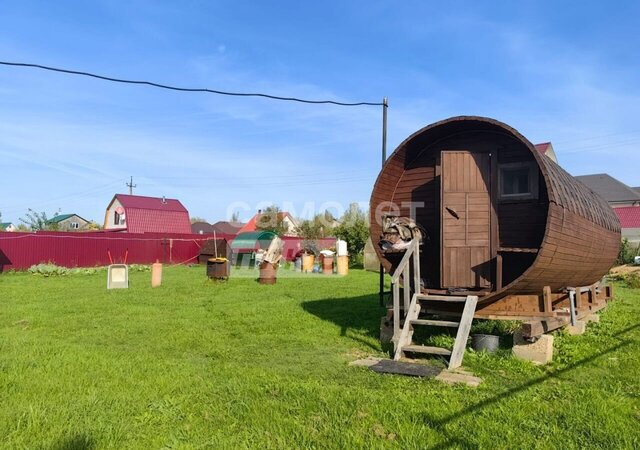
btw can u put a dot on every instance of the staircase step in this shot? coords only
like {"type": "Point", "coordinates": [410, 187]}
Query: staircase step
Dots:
{"type": "Point", "coordinates": [426, 349]}
{"type": "Point", "coordinates": [435, 323]}
{"type": "Point", "coordinates": [442, 298]}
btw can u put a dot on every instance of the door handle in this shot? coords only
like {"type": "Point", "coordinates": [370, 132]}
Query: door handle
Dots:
{"type": "Point", "coordinates": [452, 212]}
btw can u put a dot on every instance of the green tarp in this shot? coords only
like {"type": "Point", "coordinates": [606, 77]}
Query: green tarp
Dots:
{"type": "Point", "coordinates": [252, 240]}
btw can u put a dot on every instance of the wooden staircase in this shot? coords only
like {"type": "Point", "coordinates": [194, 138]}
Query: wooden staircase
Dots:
{"type": "Point", "coordinates": [404, 343]}
{"type": "Point", "coordinates": [403, 335]}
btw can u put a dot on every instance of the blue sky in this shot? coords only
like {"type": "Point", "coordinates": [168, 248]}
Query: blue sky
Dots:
{"type": "Point", "coordinates": [564, 72]}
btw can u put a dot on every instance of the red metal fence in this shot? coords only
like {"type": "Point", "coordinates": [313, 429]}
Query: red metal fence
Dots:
{"type": "Point", "coordinates": [22, 250]}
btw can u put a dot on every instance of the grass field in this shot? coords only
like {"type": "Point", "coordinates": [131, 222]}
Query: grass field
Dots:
{"type": "Point", "coordinates": [195, 364]}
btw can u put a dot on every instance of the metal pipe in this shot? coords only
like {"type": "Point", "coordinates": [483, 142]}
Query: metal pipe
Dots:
{"type": "Point", "coordinates": [572, 306]}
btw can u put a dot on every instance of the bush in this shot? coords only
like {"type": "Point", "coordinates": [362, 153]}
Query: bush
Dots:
{"type": "Point", "coordinates": [354, 228]}
{"type": "Point", "coordinates": [356, 261]}
{"type": "Point", "coordinates": [632, 280]}
{"type": "Point", "coordinates": [48, 270]}
{"type": "Point", "coordinates": [626, 253]}
{"type": "Point", "coordinates": [53, 270]}
{"type": "Point", "coordinates": [495, 327]}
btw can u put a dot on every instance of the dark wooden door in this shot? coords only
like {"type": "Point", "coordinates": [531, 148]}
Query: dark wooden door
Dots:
{"type": "Point", "coordinates": [466, 219]}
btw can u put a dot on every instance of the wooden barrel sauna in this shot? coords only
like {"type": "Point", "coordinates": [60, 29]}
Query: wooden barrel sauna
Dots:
{"type": "Point", "coordinates": [501, 218]}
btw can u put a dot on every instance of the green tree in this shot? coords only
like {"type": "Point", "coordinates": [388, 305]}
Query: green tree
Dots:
{"type": "Point", "coordinates": [272, 219]}
{"type": "Point", "coordinates": [319, 227]}
{"type": "Point", "coordinates": [93, 226]}
{"type": "Point", "coordinates": [310, 230]}
{"type": "Point", "coordinates": [38, 221]}
{"type": "Point", "coordinates": [235, 217]}
{"type": "Point", "coordinates": [353, 228]}
{"type": "Point", "coordinates": [195, 219]}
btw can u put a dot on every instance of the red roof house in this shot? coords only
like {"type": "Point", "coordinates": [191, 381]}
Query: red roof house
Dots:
{"type": "Point", "coordinates": [139, 214]}
{"type": "Point", "coordinates": [629, 216]}
{"type": "Point", "coordinates": [547, 149]}
{"type": "Point", "coordinates": [630, 223]}
{"type": "Point", "coordinates": [287, 219]}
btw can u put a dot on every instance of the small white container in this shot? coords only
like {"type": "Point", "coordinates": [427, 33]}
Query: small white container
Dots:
{"type": "Point", "coordinates": [341, 247]}
{"type": "Point", "coordinates": [636, 260]}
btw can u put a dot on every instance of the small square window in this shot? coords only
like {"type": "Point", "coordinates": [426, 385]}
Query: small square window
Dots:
{"type": "Point", "coordinates": [518, 181]}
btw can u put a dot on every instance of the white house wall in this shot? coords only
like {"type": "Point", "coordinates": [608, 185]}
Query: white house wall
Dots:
{"type": "Point", "coordinates": [65, 225]}
{"type": "Point", "coordinates": [632, 234]}
{"type": "Point", "coordinates": [291, 228]}
{"type": "Point", "coordinates": [108, 223]}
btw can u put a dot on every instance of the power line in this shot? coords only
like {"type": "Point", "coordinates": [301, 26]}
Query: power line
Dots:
{"type": "Point", "coordinates": [75, 195]}
{"type": "Point", "coordinates": [182, 89]}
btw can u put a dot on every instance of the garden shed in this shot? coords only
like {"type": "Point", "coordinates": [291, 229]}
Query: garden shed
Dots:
{"type": "Point", "coordinates": [214, 248]}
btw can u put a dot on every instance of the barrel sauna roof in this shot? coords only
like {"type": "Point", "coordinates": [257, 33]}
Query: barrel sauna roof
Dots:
{"type": "Point", "coordinates": [563, 189]}
{"type": "Point", "coordinates": [565, 193]}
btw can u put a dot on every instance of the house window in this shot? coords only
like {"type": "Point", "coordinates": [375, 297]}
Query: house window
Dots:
{"type": "Point", "coordinates": [518, 181]}
{"type": "Point", "coordinates": [74, 225]}
{"type": "Point", "coordinates": [118, 219]}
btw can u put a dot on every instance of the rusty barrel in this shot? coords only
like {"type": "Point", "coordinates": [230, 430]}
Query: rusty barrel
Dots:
{"type": "Point", "coordinates": [327, 265]}
{"type": "Point", "coordinates": [268, 273]}
{"type": "Point", "coordinates": [218, 268]}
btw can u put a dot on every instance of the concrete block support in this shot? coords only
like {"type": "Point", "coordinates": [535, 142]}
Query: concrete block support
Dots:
{"type": "Point", "coordinates": [538, 352]}
{"type": "Point", "coordinates": [593, 318]}
{"type": "Point", "coordinates": [579, 328]}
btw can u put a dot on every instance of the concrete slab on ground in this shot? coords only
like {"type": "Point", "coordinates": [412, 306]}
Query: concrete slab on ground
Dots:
{"type": "Point", "coordinates": [388, 366]}
{"type": "Point", "coordinates": [365, 362]}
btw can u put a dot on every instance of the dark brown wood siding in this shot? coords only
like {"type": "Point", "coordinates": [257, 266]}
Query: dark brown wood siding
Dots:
{"type": "Point", "coordinates": [466, 219]}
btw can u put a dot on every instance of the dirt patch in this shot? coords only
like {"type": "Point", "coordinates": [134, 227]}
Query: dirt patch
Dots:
{"type": "Point", "coordinates": [625, 269]}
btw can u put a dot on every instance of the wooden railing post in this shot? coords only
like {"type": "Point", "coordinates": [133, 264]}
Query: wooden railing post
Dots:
{"type": "Point", "coordinates": [404, 269]}
{"type": "Point", "coordinates": [396, 311]}
{"type": "Point", "coordinates": [416, 268]}
{"type": "Point", "coordinates": [406, 288]}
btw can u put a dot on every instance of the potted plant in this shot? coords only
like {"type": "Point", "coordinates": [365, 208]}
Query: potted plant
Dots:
{"type": "Point", "coordinates": [485, 335]}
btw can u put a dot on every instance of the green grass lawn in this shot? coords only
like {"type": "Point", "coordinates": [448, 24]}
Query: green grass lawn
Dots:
{"type": "Point", "coordinates": [195, 364]}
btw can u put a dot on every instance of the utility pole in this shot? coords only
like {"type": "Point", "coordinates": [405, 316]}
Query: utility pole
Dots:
{"type": "Point", "coordinates": [385, 105]}
{"type": "Point", "coordinates": [130, 185]}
